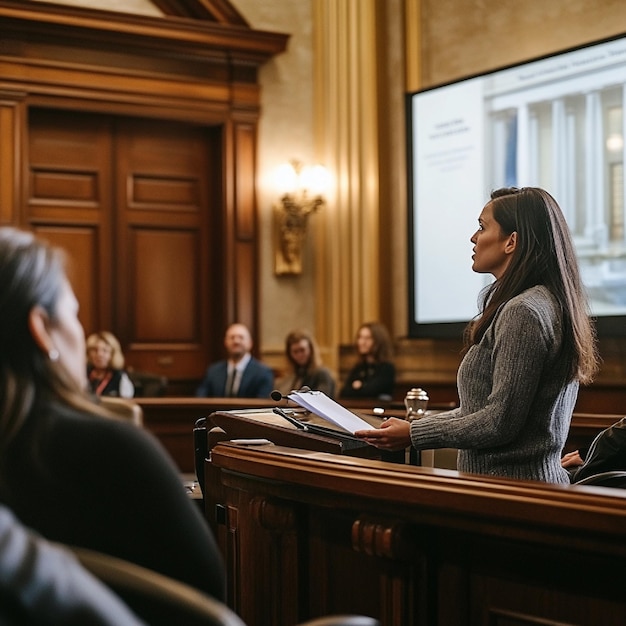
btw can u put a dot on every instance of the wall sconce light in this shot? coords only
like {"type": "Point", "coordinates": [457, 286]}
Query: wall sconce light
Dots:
{"type": "Point", "coordinates": [301, 190]}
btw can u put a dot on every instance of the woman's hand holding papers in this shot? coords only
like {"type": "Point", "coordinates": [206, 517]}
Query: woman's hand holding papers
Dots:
{"type": "Point", "coordinates": [393, 434]}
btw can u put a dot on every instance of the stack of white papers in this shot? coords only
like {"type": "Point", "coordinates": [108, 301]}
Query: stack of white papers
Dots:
{"type": "Point", "coordinates": [319, 403]}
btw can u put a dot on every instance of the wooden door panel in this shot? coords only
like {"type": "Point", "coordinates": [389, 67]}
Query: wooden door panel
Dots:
{"type": "Point", "coordinates": [505, 602]}
{"type": "Point", "coordinates": [129, 200]}
{"type": "Point", "coordinates": [164, 274]}
{"type": "Point", "coordinates": [80, 243]}
{"type": "Point", "coordinates": [50, 186]}
{"type": "Point", "coordinates": [163, 235]}
{"type": "Point", "coordinates": [69, 201]}
{"type": "Point", "coordinates": [154, 193]}
{"type": "Point", "coordinates": [70, 162]}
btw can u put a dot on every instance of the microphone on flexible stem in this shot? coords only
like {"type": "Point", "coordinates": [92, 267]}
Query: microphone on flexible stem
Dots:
{"type": "Point", "coordinates": [277, 396]}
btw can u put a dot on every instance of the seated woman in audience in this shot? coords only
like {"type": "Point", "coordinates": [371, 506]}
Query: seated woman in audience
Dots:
{"type": "Point", "coordinates": [374, 375]}
{"type": "Point", "coordinates": [69, 469]}
{"type": "Point", "coordinates": [305, 365]}
{"type": "Point", "coordinates": [105, 366]}
{"type": "Point", "coordinates": [525, 354]}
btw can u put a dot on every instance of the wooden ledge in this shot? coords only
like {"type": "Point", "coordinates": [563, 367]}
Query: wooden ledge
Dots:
{"type": "Point", "coordinates": [443, 497]}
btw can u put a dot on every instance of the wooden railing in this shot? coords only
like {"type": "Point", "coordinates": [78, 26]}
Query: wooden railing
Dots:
{"type": "Point", "coordinates": [308, 533]}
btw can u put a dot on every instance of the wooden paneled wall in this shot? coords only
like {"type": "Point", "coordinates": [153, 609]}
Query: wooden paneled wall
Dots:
{"type": "Point", "coordinates": [131, 142]}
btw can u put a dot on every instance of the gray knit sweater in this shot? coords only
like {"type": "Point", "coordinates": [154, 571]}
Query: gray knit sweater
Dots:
{"type": "Point", "coordinates": [515, 411]}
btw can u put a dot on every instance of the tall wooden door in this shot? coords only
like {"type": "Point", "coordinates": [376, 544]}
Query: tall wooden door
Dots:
{"type": "Point", "coordinates": [137, 203]}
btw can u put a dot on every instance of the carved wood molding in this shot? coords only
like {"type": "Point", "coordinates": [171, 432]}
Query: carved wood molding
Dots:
{"type": "Point", "coordinates": [274, 515]}
{"type": "Point", "coordinates": [515, 509]}
{"type": "Point", "coordinates": [389, 539]}
{"type": "Point", "coordinates": [220, 11]}
{"type": "Point", "coordinates": [201, 38]}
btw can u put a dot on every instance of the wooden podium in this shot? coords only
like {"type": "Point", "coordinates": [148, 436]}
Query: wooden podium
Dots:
{"type": "Point", "coordinates": [264, 424]}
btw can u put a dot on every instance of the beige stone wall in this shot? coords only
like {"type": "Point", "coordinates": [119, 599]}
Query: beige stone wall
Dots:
{"type": "Point", "coordinates": [336, 107]}
{"type": "Point", "coordinates": [285, 132]}
{"type": "Point", "coordinates": [461, 37]}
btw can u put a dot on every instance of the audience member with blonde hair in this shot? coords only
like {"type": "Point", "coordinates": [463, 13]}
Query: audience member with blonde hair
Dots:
{"type": "Point", "coordinates": [105, 366]}
{"type": "Point", "coordinates": [305, 365]}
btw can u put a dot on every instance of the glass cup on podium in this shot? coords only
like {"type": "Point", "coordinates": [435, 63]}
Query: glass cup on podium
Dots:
{"type": "Point", "coordinates": [416, 403]}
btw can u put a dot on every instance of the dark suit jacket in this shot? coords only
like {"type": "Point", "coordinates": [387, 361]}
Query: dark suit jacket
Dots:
{"type": "Point", "coordinates": [378, 380]}
{"type": "Point", "coordinates": [257, 381]}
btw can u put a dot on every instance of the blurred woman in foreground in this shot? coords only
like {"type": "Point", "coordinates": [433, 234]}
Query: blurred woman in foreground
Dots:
{"type": "Point", "coordinates": [68, 469]}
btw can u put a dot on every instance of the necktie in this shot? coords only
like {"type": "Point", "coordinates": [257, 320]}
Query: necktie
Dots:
{"type": "Point", "coordinates": [230, 385]}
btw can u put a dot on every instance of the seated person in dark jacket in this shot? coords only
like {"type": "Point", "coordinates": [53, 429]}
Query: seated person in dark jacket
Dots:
{"type": "Point", "coordinates": [69, 469]}
{"type": "Point", "coordinates": [607, 453]}
{"type": "Point", "coordinates": [43, 583]}
{"type": "Point", "coordinates": [240, 375]}
{"type": "Point", "coordinates": [374, 374]}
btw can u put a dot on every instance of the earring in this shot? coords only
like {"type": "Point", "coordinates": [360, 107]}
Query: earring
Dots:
{"type": "Point", "coordinates": [53, 354]}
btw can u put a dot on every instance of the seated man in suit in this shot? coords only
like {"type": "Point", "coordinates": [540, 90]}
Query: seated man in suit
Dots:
{"type": "Point", "coordinates": [240, 375]}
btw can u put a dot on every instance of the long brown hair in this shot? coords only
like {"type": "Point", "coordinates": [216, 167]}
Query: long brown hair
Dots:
{"type": "Point", "coordinates": [544, 255]}
{"type": "Point", "coordinates": [32, 273]}
{"type": "Point", "coordinates": [382, 350]}
{"type": "Point", "coordinates": [296, 336]}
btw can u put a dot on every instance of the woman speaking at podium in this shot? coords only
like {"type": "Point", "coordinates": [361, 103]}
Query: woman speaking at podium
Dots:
{"type": "Point", "coordinates": [526, 352]}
